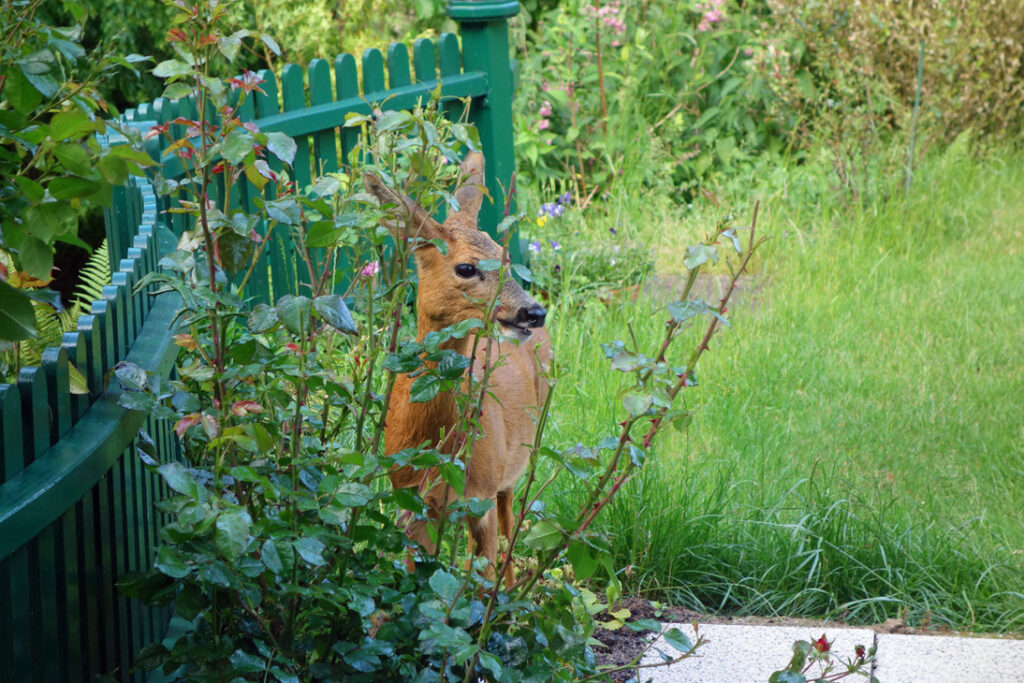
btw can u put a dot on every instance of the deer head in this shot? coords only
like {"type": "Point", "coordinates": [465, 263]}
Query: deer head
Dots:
{"type": "Point", "coordinates": [452, 287]}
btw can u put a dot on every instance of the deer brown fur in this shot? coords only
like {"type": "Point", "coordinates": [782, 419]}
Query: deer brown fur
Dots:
{"type": "Point", "coordinates": [451, 289]}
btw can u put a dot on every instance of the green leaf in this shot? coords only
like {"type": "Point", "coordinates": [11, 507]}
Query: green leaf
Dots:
{"type": "Point", "coordinates": [37, 68]}
{"type": "Point", "coordinates": [171, 68]}
{"type": "Point", "coordinates": [311, 550]}
{"type": "Point", "coordinates": [236, 145]}
{"type": "Point", "coordinates": [478, 507]}
{"type": "Point", "coordinates": [523, 272]}
{"type": "Point", "coordinates": [278, 558]}
{"type": "Point", "coordinates": [22, 95]}
{"type": "Point", "coordinates": [282, 147]}
{"type": "Point", "coordinates": [72, 187]}
{"type": "Point", "coordinates": [787, 677]}
{"type": "Point", "coordinates": [262, 318]}
{"type": "Point", "coordinates": [177, 90]}
{"type": "Point", "coordinates": [445, 584]}
{"type": "Point", "coordinates": [114, 169]}
{"type": "Point", "coordinates": [353, 494]}
{"type": "Point", "coordinates": [644, 625]}
{"type": "Point", "coordinates": [681, 311]}
{"type": "Point", "coordinates": [335, 313]}
{"type": "Point", "coordinates": [284, 211]}
{"type": "Point", "coordinates": [230, 45]}
{"type": "Point", "coordinates": [17, 320]}
{"type": "Point", "coordinates": [584, 564]}
{"type": "Point", "coordinates": [33, 191]}
{"type": "Point", "coordinates": [244, 662]}
{"type": "Point", "coordinates": [36, 258]}
{"type": "Point", "coordinates": [232, 535]}
{"type": "Point", "coordinates": [491, 663]}
{"type": "Point", "coordinates": [488, 264]}
{"type": "Point", "coordinates": [271, 44]}
{"type": "Point", "coordinates": [452, 365]}
{"type": "Point", "coordinates": [171, 563]}
{"type": "Point", "coordinates": [151, 657]}
{"type": "Point", "coordinates": [424, 389]}
{"type": "Point", "coordinates": [678, 640]}
{"type": "Point", "coordinates": [235, 251]}
{"type": "Point", "coordinates": [294, 313]}
{"type": "Point", "coordinates": [624, 361]}
{"type": "Point", "coordinates": [543, 536]}
{"type": "Point", "coordinates": [637, 402]}
{"type": "Point", "coordinates": [74, 158]}
{"type": "Point", "coordinates": [392, 120]}
{"type": "Point", "coordinates": [180, 479]}
{"type": "Point", "coordinates": [73, 123]}
{"type": "Point", "coordinates": [700, 254]}
{"type": "Point", "coordinates": [323, 234]}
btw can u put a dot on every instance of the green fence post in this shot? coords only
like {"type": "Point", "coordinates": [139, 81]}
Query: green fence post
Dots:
{"type": "Point", "coordinates": [485, 47]}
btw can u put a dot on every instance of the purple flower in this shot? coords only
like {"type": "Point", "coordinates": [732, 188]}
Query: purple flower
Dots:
{"type": "Point", "coordinates": [370, 269]}
{"type": "Point", "coordinates": [558, 210]}
{"type": "Point", "coordinates": [535, 247]}
{"type": "Point", "coordinates": [613, 231]}
{"type": "Point", "coordinates": [565, 198]}
{"type": "Point", "coordinates": [555, 245]}
{"type": "Point", "coordinates": [550, 208]}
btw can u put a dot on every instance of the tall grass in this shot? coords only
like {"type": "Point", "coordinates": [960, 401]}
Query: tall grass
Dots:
{"type": "Point", "coordinates": [858, 444]}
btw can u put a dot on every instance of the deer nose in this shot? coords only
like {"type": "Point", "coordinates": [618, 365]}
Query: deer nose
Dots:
{"type": "Point", "coordinates": [531, 316]}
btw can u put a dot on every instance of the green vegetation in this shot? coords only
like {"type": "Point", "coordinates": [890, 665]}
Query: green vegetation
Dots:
{"type": "Point", "coordinates": [851, 446]}
{"type": "Point", "coordinates": [856, 449]}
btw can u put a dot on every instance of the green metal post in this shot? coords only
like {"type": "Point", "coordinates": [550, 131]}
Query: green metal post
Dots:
{"type": "Point", "coordinates": [485, 47]}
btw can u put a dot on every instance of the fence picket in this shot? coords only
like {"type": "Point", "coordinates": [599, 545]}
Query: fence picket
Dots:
{"type": "Point", "coordinates": [58, 389]}
{"type": "Point", "coordinates": [10, 436]}
{"type": "Point", "coordinates": [423, 59]}
{"type": "Point", "coordinates": [73, 344]}
{"type": "Point", "coordinates": [34, 414]}
{"type": "Point", "coordinates": [373, 75]}
{"type": "Point", "coordinates": [346, 84]}
{"type": "Point", "coordinates": [293, 97]}
{"type": "Point", "coordinates": [398, 65]}
{"type": "Point", "coordinates": [326, 150]}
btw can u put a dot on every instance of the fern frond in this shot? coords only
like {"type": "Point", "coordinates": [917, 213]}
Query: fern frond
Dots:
{"type": "Point", "coordinates": [92, 278]}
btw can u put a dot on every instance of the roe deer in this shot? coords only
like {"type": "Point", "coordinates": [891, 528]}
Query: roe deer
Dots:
{"type": "Point", "coordinates": [452, 289]}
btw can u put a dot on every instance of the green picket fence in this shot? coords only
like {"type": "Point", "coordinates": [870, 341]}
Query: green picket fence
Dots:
{"type": "Point", "coordinates": [76, 500]}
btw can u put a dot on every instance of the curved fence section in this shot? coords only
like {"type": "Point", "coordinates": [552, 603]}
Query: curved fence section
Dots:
{"type": "Point", "coordinates": [76, 501]}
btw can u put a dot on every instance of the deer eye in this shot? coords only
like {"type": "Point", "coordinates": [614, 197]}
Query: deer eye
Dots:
{"type": "Point", "coordinates": [465, 270]}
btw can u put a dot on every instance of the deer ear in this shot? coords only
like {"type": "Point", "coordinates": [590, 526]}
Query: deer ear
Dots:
{"type": "Point", "coordinates": [411, 219]}
{"type": "Point", "coordinates": [470, 194]}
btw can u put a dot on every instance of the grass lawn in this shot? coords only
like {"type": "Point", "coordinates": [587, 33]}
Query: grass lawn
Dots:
{"type": "Point", "coordinates": [857, 449]}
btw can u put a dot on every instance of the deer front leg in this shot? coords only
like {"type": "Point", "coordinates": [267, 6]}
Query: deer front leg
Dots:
{"type": "Point", "coordinates": [483, 533]}
{"type": "Point", "coordinates": [506, 523]}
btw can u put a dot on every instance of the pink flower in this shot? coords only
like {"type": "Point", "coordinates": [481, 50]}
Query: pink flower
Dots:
{"type": "Point", "coordinates": [370, 269]}
{"type": "Point", "coordinates": [543, 125]}
{"type": "Point", "coordinates": [545, 109]}
{"type": "Point", "coordinates": [703, 25]}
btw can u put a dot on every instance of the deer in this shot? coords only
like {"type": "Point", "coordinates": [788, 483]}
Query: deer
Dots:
{"type": "Point", "coordinates": [453, 289]}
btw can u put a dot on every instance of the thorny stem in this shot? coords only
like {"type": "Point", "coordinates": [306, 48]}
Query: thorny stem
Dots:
{"type": "Point", "coordinates": [598, 497]}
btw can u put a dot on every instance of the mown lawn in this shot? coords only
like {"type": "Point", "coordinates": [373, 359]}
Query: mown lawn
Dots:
{"type": "Point", "coordinates": [857, 449]}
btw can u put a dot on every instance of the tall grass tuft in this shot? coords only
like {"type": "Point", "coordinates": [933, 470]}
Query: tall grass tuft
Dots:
{"type": "Point", "coordinates": [857, 450]}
